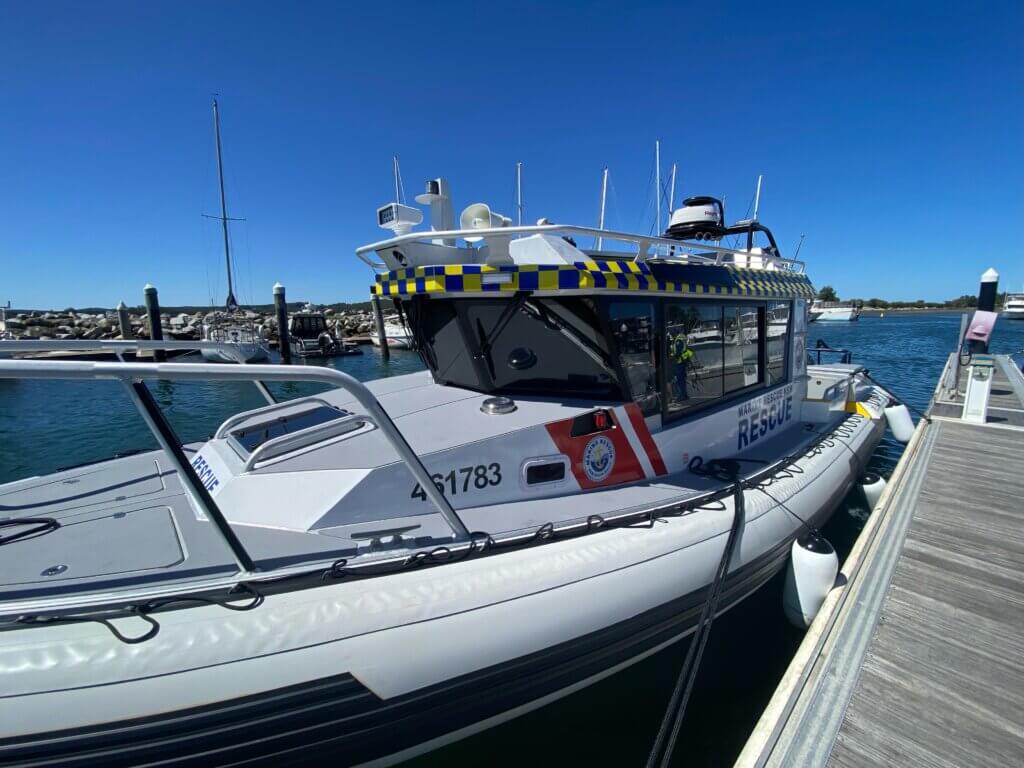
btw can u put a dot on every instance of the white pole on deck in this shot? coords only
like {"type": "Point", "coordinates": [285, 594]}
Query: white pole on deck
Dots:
{"type": "Point", "coordinates": [657, 183]}
{"type": "Point", "coordinates": [757, 196]}
{"type": "Point", "coordinates": [398, 181]}
{"type": "Point", "coordinates": [519, 194]}
{"type": "Point", "coordinates": [604, 197]}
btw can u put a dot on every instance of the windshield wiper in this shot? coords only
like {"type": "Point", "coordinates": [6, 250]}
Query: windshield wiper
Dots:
{"type": "Point", "coordinates": [573, 334]}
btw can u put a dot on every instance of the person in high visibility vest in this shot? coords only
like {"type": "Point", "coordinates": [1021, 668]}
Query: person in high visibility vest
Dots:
{"type": "Point", "coordinates": [680, 353]}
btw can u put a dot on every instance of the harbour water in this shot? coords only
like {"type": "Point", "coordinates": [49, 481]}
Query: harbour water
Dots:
{"type": "Point", "coordinates": [45, 425]}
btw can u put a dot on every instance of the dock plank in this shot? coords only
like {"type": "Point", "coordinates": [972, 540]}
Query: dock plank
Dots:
{"type": "Point", "coordinates": [942, 682]}
{"type": "Point", "coordinates": [919, 659]}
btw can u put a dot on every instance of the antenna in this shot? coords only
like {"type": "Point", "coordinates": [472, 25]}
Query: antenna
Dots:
{"type": "Point", "coordinates": [399, 189]}
{"type": "Point", "coordinates": [604, 197]}
{"type": "Point", "coordinates": [657, 184]}
{"type": "Point", "coordinates": [519, 194]}
{"type": "Point", "coordinates": [799, 246]}
{"type": "Point", "coordinates": [757, 197]}
{"type": "Point", "coordinates": [672, 191]}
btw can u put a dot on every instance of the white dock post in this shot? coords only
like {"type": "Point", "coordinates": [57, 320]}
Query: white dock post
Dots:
{"type": "Point", "coordinates": [281, 311]}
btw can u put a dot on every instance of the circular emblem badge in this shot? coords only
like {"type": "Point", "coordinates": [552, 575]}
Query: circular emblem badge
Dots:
{"type": "Point", "coordinates": [598, 458]}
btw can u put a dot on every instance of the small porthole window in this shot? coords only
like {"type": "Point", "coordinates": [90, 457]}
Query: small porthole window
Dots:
{"type": "Point", "coordinates": [545, 473]}
{"type": "Point", "coordinates": [521, 358]}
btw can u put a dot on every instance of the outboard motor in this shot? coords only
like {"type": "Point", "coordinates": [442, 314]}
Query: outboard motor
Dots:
{"type": "Point", "coordinates": [700, 218]}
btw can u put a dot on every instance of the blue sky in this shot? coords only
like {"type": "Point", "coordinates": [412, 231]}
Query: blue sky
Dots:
{"type": "Point", "coordinates": [889, 135]}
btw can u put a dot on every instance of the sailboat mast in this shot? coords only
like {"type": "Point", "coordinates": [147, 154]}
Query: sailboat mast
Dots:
{"type": "Point", "coordinates": [231, 303]}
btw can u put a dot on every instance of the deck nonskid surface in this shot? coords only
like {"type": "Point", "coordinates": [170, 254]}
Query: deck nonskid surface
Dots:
{"type": "Point", "coordinates": [128, 520]}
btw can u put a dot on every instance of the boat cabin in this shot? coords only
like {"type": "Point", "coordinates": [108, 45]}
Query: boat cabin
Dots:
{"type": "Point", "coordinates": [674, 326]}
{"type": "Point", "coordinates": [307, 324]}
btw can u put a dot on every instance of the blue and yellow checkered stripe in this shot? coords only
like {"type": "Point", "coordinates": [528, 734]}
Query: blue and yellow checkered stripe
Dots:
{"type": "Point", "coordinates": [688, 279]}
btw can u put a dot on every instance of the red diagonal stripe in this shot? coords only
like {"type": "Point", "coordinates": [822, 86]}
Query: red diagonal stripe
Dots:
{"type": "Point", "coordinates": [637, 420]}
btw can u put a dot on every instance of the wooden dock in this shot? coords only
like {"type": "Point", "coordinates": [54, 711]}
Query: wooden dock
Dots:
{"type": "Point", "coordinates": [917, 658]}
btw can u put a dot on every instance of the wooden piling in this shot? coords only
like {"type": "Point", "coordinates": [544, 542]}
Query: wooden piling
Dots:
{"type": "Point", "coordinates": [156, 332]}
{"type": "Point", "coordinates": [123, 321]}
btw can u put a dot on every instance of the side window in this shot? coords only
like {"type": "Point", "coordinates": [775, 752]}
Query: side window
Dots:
{"type": "Point", "coordinates": [742, 347]}
{"type": "Point", "coordinates": [693, 355]}
{"type": "Point", "coordinates": [632, 326]}
{"type": "Point", "coordinates": [777, 327]}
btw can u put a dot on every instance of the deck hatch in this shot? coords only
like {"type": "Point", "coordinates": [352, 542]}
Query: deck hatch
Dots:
{"type": "Point", "coordinates": [252, 436]}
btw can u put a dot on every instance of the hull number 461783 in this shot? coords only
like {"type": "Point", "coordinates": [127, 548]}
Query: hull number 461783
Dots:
{"type": "Point", "coordinates": [461, 480]}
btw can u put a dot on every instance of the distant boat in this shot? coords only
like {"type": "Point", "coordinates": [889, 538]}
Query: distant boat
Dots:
{"type": "Point", "coordinates": [310, 336]}
{"type": "Point", "coordinates": [1013, 307]}
{"type": "Point", "coordinates": [398, 337]}
{"type": "Point", "coordinates": [231, 329]}
{"type": "Point", "coordinates": [5, 335]}
{"type": "Point", "coordinates": [833, 311]}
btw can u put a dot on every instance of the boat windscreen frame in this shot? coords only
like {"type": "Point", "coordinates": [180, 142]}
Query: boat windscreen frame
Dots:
{"type": "Point", "coordinates": [479, 342]}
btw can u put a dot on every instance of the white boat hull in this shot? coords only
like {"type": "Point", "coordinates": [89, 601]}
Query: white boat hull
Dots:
{"type": "Point", "coordinates": [394, 342]}
{"type": "Point", "coordinates": [835, 315]}
{"type": "Point", "coordinates": [510, 632]}
{"type": "Point", "coordinates": [250, 352]}
{"type": "Point", "coordinates": [1013, 314]}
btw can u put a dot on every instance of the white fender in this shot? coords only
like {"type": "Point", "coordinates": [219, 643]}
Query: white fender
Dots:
{"type": "Point", "coordinates": [900, 423]}
{"type": "Point", "coordinates": [873, 485]}
{"type": "Point", "coordinates": [812, 571]}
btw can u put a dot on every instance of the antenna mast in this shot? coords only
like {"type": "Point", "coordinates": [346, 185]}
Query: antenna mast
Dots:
{"type": "Point", "coordinates": [399, 190]}
{"type": "Point", "coordinates": [604, 197]}
{"type": "Point", "coordinates": [799, 246]}
{"type": "Point", "coordinates": [672, 192]}
{"type": "Point", "coordinates": [757, 196]}
{"type": "Point", "coordinates": [230, 303]}
{"type": "Point", "coordinates": [657, 184]}
{"type": "Point", "coordinates": [519, 194]}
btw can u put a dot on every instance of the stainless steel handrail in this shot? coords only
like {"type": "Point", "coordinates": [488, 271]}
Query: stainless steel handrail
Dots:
{"type": "Point", "coordinates": [238, 418]}
{"type": "Point", "coordinates": [643, 242]}
{"type": "Point", "coordinates": [300, 437]}
{"type": "Point", "coordinates": [116, 346]}
{"type": "Point", "coordinates": [120, 346]}
{"type": "Point", "coordinates": [131, 372]}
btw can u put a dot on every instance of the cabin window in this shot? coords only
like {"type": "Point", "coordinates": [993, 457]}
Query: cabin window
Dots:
{"type": "Point", "coordinates": [777, 333]}
{"type": "Point", "coordinates": [741, 347]}
{"type": "Point", "coordinates": [693, 355]}
{"type": "Point", "coordinates": [633, 330]}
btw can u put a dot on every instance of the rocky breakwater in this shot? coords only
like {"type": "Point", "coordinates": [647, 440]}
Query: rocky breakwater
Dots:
{"type": "Point", "coordinates": [181, 326]}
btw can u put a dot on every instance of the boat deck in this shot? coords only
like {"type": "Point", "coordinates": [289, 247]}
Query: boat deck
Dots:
{"type": "Point", "coordinates": [919, 659]}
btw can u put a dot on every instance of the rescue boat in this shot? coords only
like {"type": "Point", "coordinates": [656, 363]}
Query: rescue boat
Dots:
{"type": "Point", "coordinates": [379, 569]}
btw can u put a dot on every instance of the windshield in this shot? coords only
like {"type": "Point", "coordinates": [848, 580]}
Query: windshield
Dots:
{"type": "Point", "coordinates": [517, 344]}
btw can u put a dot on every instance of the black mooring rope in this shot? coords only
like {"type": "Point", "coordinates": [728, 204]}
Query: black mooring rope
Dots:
{"type": "Point", "coordinates": [665, 741]}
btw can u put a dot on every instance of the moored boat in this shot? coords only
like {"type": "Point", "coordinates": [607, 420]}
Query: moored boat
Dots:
{"type": "Point", "coordinates": [398, 337]}
{"type": "Point", "coordinates": [310, 336]}
{"type": "Point", "coordinates": [1013, 306]}
{"type": "Point", "coordinates": [379, 569]}
{"type": "Point", "coordinates": [232, 326]}
{"type": "Point", "coordinates": [834, 311]}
